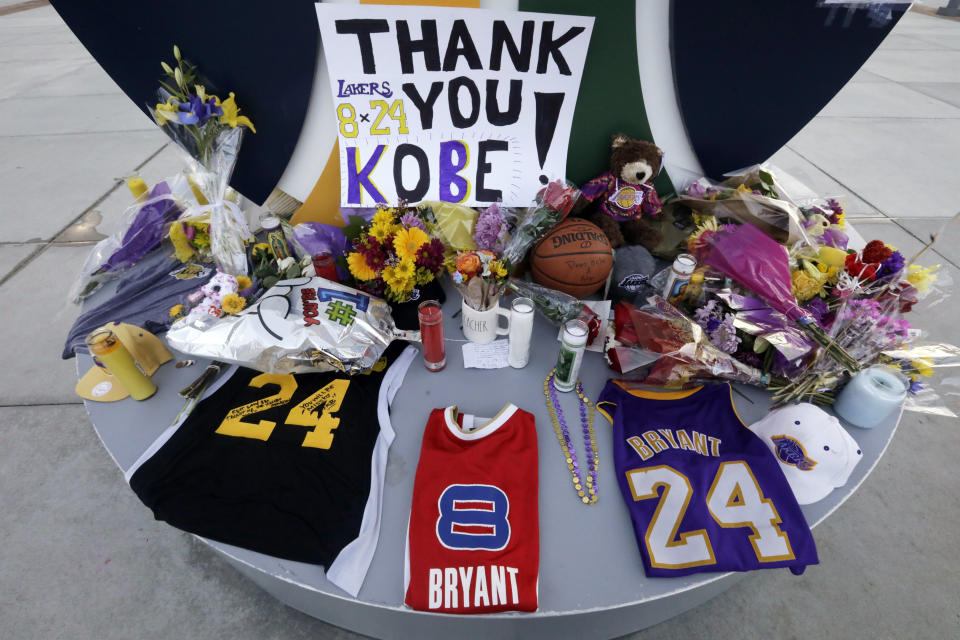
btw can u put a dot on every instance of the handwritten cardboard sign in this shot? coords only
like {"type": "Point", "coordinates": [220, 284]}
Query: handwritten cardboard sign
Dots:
{"type": "Point", "coordinates": [460, 105]}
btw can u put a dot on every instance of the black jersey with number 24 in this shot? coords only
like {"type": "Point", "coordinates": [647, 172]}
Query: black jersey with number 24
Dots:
{"type": "Point", "coordinates": [287, 465]}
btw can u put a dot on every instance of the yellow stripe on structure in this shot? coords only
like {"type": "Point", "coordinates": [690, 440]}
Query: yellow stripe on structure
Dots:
{"type": "Point", "coordinates": [323, 203]}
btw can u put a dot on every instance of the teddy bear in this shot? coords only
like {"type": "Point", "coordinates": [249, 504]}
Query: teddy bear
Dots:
{"type": "Point", "coordinates": [209, 298]}
{"type": "Point", "coordinates": [629, 207]}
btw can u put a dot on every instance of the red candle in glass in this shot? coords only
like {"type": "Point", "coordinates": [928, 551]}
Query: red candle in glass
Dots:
{"type": "Point", "coordinates": [324, 266]}
{"type": "Point", "coordinates": [431, 335]}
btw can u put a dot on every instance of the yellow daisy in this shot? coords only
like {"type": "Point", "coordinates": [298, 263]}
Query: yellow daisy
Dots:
{"type": "Point", "coordinates": [395, 282]}
{"type": "Point", "coordinates": [384, 217]}
{"type": "Point", "coordinates": [243, 282]}
{"type": "Point", "coordinates": [359, 267]}
{"type": "Point", "coordinates": [232, 303]}
{"type": "Point", "coordinates": [406, 269]}
{"type": "Point", "coordinates": [408, 241]}
{"type": "Point", "coordinates": [381, 231]}
{"type": "Point", "coordinates": [176, 310]}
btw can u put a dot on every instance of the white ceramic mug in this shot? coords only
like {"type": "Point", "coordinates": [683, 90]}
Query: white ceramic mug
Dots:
{"type": "Point", "coordinates": [483, 327]}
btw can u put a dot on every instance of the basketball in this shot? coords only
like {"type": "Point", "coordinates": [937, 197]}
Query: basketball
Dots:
{"type": "Point", "coordinates": [574, 257]}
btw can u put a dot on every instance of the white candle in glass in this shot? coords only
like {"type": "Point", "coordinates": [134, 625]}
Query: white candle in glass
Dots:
{"type": "Point", "coordinates": [521, 328]}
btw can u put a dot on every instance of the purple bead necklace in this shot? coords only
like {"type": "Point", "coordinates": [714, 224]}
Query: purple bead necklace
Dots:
{"type": "Point", "coordinates": [588, 490]}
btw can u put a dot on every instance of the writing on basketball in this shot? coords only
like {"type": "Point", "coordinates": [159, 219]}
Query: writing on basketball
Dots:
{"type": "Point", "coordinates": [585, 238]}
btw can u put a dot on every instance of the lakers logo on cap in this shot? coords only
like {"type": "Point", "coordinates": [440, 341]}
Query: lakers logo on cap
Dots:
{"type": "Point", "coordinates": [790, 451]}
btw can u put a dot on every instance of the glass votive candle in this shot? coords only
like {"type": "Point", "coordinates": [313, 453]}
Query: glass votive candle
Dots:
{"type": "Point", "coordinates": [431, 335]}
{"type": "Point", "coordinates": [324, 266]}
{"type": "Point", "coordinates": [521, 330]}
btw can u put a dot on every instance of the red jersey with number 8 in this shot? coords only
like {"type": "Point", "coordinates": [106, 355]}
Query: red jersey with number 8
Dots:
{"type": "Point", "coordinates": [473, 541]}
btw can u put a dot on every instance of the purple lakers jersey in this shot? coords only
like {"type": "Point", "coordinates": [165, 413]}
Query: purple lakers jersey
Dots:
{"type": "Point", "coordinates": [704, 493]}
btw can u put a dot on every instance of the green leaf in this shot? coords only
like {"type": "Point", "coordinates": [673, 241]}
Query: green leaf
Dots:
{"type": "Point", "coordinates": [765, 176]}
{"type": "Point", "coordinates": [354, 227]}
{"type": "Point", "coordinates": [175, 92]}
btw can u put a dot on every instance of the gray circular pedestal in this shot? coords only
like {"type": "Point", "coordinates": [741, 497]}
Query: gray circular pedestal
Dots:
{"type": "Point", "coordinates": [592, 582]}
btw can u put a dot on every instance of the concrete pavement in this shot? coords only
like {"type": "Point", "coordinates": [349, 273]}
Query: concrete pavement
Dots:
{"type": "Point", "coordinates": [80, 557]}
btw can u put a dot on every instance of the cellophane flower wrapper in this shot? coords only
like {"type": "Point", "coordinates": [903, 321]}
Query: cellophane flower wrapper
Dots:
{"type": "Point", "coordinates": [479, 293]}
{"type": "Point", "coordinates": [142, 229]}
{"type": "Point", "coordinates": [927, 365]}
{"type": "Point", "coordinates": [773, 213]}
{"type": "Point", "coordinates": [760, 264]}
{"type": "Point", "coordinates": [865, 328]}
{"type": "Point", "coordinates": [298, 326]}
{"type": "Point", "coordinates": [754, 317]}
{"type": "Point", "coordinates": [556, 306]}
{"type": "Point", "coordinates": [685, 353]}
{"type": "Point", "coordinates": [316, 237]}
{"type": "Point", "coordinates": [554, 203]}
{"type": "Point", "coordinates": [214, 150]}
{"type": "Point", "coordinates": [454, 223]}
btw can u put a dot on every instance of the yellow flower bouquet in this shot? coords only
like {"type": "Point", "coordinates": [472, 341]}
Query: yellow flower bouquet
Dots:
{"type": "Point", "coordinates": [393, 255]}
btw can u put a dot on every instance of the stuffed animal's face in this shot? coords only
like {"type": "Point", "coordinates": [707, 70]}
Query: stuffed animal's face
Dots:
{"type": "Point", "coordinates": [220, 285]}
{"type": "Point", "coordinates": [636, 172]}
{"type": "Point", "coordinates": [634, 161]}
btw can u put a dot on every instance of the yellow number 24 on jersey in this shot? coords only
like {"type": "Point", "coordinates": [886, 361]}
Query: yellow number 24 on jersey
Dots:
{"type": "Point", "coordinates": [313, 412]}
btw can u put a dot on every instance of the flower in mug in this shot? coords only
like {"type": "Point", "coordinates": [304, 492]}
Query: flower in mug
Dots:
{"type": "Point", "coordinates": [497, 269]}
{"type": "Point", "coordinates": [468, 263]}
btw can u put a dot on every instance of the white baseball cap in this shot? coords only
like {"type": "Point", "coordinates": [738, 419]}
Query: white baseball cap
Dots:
{"type": "Point", "coordinates": [815, 452]}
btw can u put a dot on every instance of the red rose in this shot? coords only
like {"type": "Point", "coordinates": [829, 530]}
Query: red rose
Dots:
{"type": "Point", "coordinates": [559, 197]}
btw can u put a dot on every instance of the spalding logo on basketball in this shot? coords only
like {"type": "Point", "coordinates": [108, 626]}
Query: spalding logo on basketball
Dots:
{"type": "Point", "coordinates": [574, 257]}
